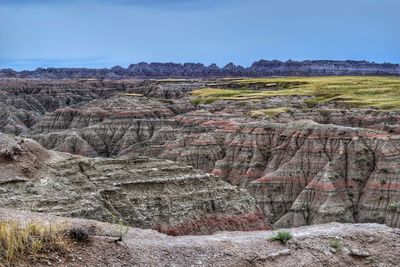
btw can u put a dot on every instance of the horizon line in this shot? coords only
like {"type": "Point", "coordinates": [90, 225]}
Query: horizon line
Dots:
{"type": "Point", "coordinates": [109, 67]}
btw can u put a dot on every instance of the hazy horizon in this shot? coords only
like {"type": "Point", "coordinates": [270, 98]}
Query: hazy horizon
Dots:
{"type": "Point", "coordinates": [102, 34]}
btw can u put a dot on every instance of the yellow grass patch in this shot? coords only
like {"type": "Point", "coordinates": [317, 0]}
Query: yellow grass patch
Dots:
{"type": "Point", "coordinates": [19, 241]}
{"type": "Point", "coordinates": [377, 92]}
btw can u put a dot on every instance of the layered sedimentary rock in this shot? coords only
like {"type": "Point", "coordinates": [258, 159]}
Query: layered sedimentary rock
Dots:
{"type": "Point", "coordinates": [302, 165]}
{"type": "Point", "coordinates": [24, 102]}
{"type": "Point", "coordinates": [197, 70]}
{"type": "Point", "coordinates": [106, 127]}
{"type": "Point", "coordinates": [142, 192]}
{"type": "Point", "coordinates": [169, 88]}
{"type": "Point", "coordinates": [366, 118]}
{"type": "Point", "coordinates": [304, 172]}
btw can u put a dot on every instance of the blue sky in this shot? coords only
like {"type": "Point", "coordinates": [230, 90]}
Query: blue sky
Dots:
{"type": "Point", "coordinates": [101, 33]}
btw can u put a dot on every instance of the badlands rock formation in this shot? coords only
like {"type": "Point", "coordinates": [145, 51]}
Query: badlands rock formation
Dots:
{"type": "Point", "coordinates": [24, 102]}
{"type": "Point", "coordinates": [141, 192]}
{"type": "Point", "coordinates": [105, 127]}
{"type": "Point", "coordinates": [304, 165]}
{"type": "Point", "coordinates": [302, 172]}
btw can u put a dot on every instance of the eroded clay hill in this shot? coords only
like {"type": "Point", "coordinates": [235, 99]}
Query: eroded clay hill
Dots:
{"type": "Point", "coordinates": [306, 155]}
{"type": "Point", "coordinates": [304, 172]}
{"type": "Point", "coordinates": [106, 127]}
{"type": "Point", "coordinates": [24, 102]}
{"type": "Point", "coordinates": [137, 191]}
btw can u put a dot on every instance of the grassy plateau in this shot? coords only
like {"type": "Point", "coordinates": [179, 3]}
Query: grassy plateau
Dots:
{"type": "Point", "coordinates": [375, 92]}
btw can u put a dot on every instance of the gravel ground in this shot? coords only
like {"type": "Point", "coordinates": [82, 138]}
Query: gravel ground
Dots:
{"type": "Point", "coordinates": [362, 245]}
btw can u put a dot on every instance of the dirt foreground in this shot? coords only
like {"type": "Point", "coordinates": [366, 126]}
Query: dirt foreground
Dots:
{"type": "Point", "coordinates": [361, 245]}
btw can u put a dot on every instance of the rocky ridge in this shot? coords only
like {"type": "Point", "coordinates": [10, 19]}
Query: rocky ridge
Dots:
{"type": "Point", "coordinates": [260, 68]}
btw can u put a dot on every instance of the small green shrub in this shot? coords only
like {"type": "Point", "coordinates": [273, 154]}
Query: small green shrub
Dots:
{"type": "Point", "coordinates": [335, 243]}
{"type": "Point", "coordinates": [283, 236]}
{"type": "Point", "coordinates": [372, 259]}
{"type": "Point", "coordinates": [123, 228]}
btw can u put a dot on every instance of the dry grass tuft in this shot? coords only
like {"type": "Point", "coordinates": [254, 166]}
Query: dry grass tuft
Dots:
{"type": "Point", "coordinates": [18, 241]}
{"type": "Point", "coordinates": [133, 94]}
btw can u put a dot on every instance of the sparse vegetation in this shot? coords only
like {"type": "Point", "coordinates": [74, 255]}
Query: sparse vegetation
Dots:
{"type": "Point", "coordinates": [210, 95]}
{"type": "Point", "coordinates": [270, 112]}
{"type": "Point", "coordinates": [372, 260]}
{"type": "Point", "coordinates": [79, 234]}
{"type": "Point", "coordinates": [133, 94]}
{"type": "Point", "coordinates": [18, 241]}
{"type": "Point", "coordinates": [283, 236]}
{"type": "Point", "coordinates": [335, 243]}
{"type": "Point", "coordinates": [123, 228]}
{"type": "Point", "coordinates": [394, 207]}
{"type": "Point", "coordinates": [377, 92]}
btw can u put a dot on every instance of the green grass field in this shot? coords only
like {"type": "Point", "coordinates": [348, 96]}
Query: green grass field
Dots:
{"type": "Point", "coordinates": [377, 92]}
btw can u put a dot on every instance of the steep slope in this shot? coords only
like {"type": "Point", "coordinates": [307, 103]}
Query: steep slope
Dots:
{"type": "Point", "coordinates": [106, 127]}
{"type": "Point", "coordinates": [23, 102]}
{"type": "Point", "coordinates": [303, 172]}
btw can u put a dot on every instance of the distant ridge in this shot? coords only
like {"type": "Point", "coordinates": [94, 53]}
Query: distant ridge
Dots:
{"type": "Point", "coordinates": [260, 68]}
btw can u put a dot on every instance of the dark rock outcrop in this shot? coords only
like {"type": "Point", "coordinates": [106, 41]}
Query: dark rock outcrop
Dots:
{"type": "Point", "coordinates": [197, 70]}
